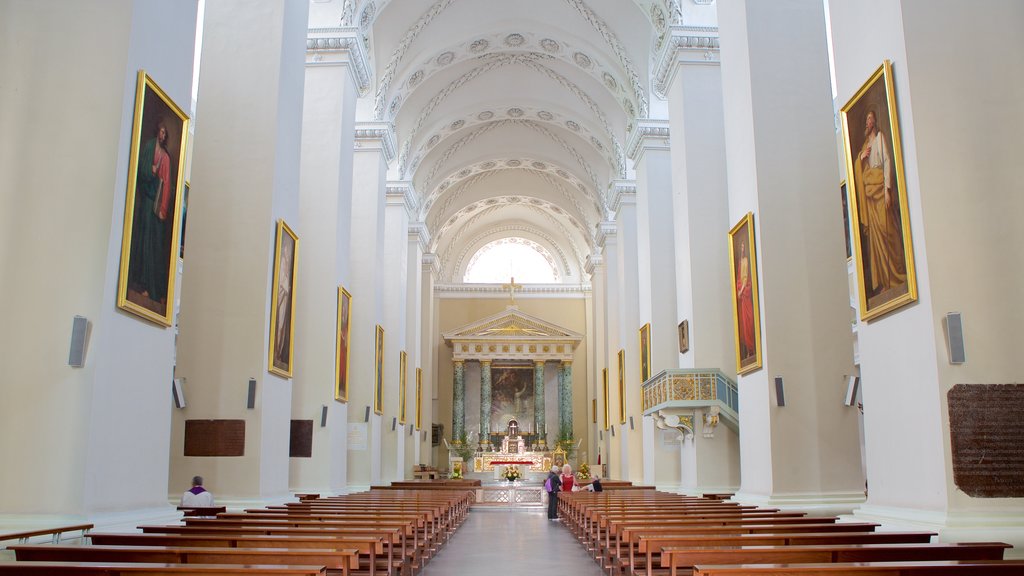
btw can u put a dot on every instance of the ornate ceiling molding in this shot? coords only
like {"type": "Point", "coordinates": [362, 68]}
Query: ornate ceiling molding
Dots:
{"type": "Point", "coordinates": [687, 45]}
{"type": "Point", "coordinates": [376, 135]}
{"type": "Point", "coordinates": [506, 231]}
{"type": "Point", "coordinates": [606, 230]}
{"type": "Point", "coordinates": [431, 265]}
{"type": "Point", "coordinates": [321, 42]}
{"type": "Point", "coordinates": [594, 262]}
{"type": "Point", "coordinates": [418, 231]}
{"type": "Point", "coordinates": [409, 196]}
{"type": "Point", "coordinates": [622, 191]}
{"type": "Point", "coordinates": [648, 135]}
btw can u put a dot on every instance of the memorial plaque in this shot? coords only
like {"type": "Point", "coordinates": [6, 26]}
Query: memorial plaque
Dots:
{"type": "Point", "coordinates": [987, 438]}
{"type": "Point", "coordinates": [214, 437]}
{"type": "Point", "coordinates": [301, 442]}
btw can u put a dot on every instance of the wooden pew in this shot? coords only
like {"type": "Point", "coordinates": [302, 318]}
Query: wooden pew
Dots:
{"type": "Point", "coordinates": [922, 568]}
{"type": "Point", "coordinates": [685, 558]}
{"type": "Point", "coordinates": [55, 531]}
{"type": "Point", "coordinates": [202, 510]}
{"type": "Point", "coordinates": [334, 560]}
{"type": "Point", "coordinates": [151, 569]}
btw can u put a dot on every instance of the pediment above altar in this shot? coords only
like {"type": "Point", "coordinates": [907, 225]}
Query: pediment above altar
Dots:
{"type": "Point", "coordinates": [512, 334]}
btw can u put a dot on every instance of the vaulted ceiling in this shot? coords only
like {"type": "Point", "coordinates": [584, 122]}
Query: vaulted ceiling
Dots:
{"type": "Point", "coordinates": [511, 116]}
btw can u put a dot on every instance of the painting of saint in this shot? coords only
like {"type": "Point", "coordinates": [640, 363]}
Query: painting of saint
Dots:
{"type": "Point", "coordinates": [341, 353]}
{"type": "Point", "coordinates": [282, 320]}
{"type": "Point", "coordinates": [745, 297]}
{"type": "Point", "coordinates": [512, 393]}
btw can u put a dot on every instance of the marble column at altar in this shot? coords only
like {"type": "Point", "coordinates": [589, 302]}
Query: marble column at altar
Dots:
{"type": "Point", "coordinates": [565, 401]}
{"type": "Point", "coordinates": [459, 402]}
{"type": "Point", "coordinates": [538, 403]}
{"type": "Point", "coordinates": [485, 405]}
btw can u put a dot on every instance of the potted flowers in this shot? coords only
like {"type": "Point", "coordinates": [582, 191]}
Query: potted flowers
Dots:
{"type": "Point", "coordinates": [456, 471]}
{"type": "Point", "coordinates": [512, 474]}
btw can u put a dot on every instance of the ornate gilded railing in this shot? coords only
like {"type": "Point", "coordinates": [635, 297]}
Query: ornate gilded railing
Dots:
{"type": "Point", "coordinates": [690, 387]}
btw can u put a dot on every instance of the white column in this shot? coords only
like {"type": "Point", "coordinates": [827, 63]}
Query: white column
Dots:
{"type": "Point", "coordinates": [597, 351]}
{"type": "Point", "coordinates": [418, 239]}
{"type": "Point", "coordinates": [431, 269]}
{"type": "Point", "coordinates": [394, 303]}
{"type": "Point", "coordinates": [779, 141]}
{"type": "Point", "coordinates": [325, 202]}
{"type": "Point", "coordinates": [374, 148]}
{"type": "Point", "coordinates": [630, 441]}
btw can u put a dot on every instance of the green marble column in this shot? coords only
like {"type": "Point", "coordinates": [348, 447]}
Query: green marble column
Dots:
{"type": "Point", "coordinates": [485, 404]}
{"type": "Point", "coordinates": [565, 400]}
{"type": "Point", "coordinates": [538, 402]}
{"type": "Point", "coordinates": [459, 402]}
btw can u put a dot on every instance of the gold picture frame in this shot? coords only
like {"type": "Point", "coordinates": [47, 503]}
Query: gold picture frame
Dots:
{"type": "Point", "coordinates": [419, 398]}
{"type": "Point", "coordinates": [622, 386]}
{"type": "Point", "coordinates": [684, 336]}
{"type": "Point", "coordinates": [645, 352]}
{"type": "Point", "coordinates": [153, 205]}
{"type": "Point", "coordinates": [746, 311]}
{"type": "Point", "coordinates": [282, 307]}
{"type": "Point", "coordinates": [378, 370]}
{"type": "Point", "coordinates": [344, 330]}
{"type": "Point", "coordinates": [402, 359]}
{"type": "Point", "coordinates": [882, 243]}
{"type": "Point", "coordinates": [605, 395]}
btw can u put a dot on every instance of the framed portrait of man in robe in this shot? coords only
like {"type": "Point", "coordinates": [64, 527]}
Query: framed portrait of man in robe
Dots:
{"type": "Point", "coordinates": [153, 204]}
{"type": "Point", "coordinates": [882, 244]}
{"type": "Point", "coordinates": [341, 350]}
{"type": "Point", "coordinates": [378, 371]}
{"type": "Point", "coordinates": [645, 352]}
{"type": "Point", "coordinates": [745, 297]}
{"type": "Point", "coordinates": [622, 386]}
{"type": "Point", "coordinates": [282, 308]}
{"type": "Point", "coordinates": [402, 360]}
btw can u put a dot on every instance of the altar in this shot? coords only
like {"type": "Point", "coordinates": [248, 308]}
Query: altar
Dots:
{"type": "Point", "coordinates": [526, 461]}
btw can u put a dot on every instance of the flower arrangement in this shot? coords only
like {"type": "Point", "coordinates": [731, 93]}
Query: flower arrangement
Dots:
{"type": "Point", "coordinates": [584, 471]}
{"type": "Point", "coordinates": [456, 471]}
{"type": "Point", "coordinates": [512, 473]}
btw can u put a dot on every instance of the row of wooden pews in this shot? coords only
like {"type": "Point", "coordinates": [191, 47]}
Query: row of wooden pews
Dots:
{"type": "Point", "coordinates": [375, 533]}
{"type": "Point", "coordinates": [651, 533]}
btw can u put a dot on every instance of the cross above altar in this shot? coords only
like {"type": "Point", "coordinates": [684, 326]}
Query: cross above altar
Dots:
{"type": "Point", "coordinates": [512, 287]}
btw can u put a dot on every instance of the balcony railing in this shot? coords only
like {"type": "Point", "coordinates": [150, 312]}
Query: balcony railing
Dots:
{"type": "Point", "coordinates": [693, 388]}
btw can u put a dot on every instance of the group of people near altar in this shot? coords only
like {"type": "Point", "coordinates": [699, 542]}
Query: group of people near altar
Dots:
{"type": "Point", "coordinates": [565, 482]}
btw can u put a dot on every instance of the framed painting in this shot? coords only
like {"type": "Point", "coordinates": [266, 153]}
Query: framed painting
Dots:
{"type": "Point", "coordinates": [378, 371]}
{"type": "Point", "coordinates": [152, 208]}
{"type": "Point", "coordinates": [645, 352]}
{"type": "Point", "coordinates": [684, 336]}
{"type": "Point", "coordinates": [341, 345]}
{"type": "Point", "coordinates": [604, 395]}
{"type": "Point", "coordinates": [282, 316]}
{"type": "Point", "coordinates": [622, 386]}
{"type": "Point", "coordinates": [419, 398]}
{"type": "Point", "coordinates": [882, 244]}
{"type": "Point", "coordinates": [402, 359]}
{"type": "Point", "coordinates": [745, 306]}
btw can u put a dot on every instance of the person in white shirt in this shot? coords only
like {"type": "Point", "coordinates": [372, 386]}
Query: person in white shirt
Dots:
{"type": "Point", "coordinates": [197, 496]}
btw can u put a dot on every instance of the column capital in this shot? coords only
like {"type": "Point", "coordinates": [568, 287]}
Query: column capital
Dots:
{"type": "Point", "coordinates": [407, 191]}
{"type": "Point", "coordinates": [622, 192]}
{"type": "Point", "coordinates": [485, 362]}
{"type": "Point", "coordinates": [458, 362]}
{"type": "Point", "coordinates": [606, 231]}
{"type": "Point", "coordinates": [648, 134]}
{"type": "Point", "coordinates": [339, 47]}
{"type": "Point", "coordinates": [432, 264]}
{"type": "Point", "coordinates": [539, 362]}
{"type": "Point", "coordinates": [566, 362]}
{"type": "Point", "coordinates": [593, 263]}
{"type": "Point", "coordinates": [686, 45]}
{"type": "Point", "coordinates": [376, 136]}
{"type": "Point", "coordinates": [419, 234]}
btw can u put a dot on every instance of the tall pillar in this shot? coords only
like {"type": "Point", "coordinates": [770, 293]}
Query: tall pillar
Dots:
{"type": "Point", "coordinates": [607, 240]}
{"type": "Point", "coordinates": [805, 453]}
{"type": "Point", "coordinates": [250, 74]}
{"type": "Point", "coordinates": [630, 441]}
{"type": "Point", "coordinates": [431, 269]}
{"type": "Point", "coordinates": [418, 239]}
{"type": "Point", "coordinates": [459, 401]}
{"type": "Point", "coordinates": [393, 307]}
{"type": "Point", "coordinates": [597, 351]}
{"type": "Point", "coordinates": [538, 402]}
{"type": "Point", "coordinates": [485, 404]}
{"type": "Point", "coordinates": [565, 428]}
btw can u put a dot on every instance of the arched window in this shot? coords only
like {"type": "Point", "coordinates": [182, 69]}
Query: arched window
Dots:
{"type": "Point", "coordinates": [525, 260]}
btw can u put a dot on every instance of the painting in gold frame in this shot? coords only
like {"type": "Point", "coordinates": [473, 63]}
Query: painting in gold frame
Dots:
{"type": "Point", "coordinates": [684, 336]}
{"type": "Point", "coordinates": [341, 348]}
{"type": "Point", "coordinates": [419, 397]}
{"type": "Point", "coordinates": [645, 352]}
{"type": "Point", "coordinates": [605, 396]}
{"type": "Point", "coordinates": [282, 316]}
{"type": "Point", "coordinates": [882, 243]}
{"type": "Point", "coordinates": [153, 204]}
{"type": "Point", "coordinates": [378, 371]}
{"type": "Point", "coordinates": [402, 359]}
{"type": "Point", "coordinates": [745, 296]}
{"type": "Point", "coordinates": [622, 386]}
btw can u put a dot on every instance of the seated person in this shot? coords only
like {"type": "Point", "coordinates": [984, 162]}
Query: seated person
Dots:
{"type": "Point", "coordinates": [197, 496]}
{"type": "Point", "coordinates": [595, 485]}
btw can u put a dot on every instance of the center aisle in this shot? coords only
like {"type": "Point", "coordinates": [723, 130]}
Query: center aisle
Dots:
{"type": "Point", "coordinates": [517, 542]}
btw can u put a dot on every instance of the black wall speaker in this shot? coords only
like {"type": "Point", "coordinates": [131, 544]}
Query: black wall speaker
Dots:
{"type": "Point", "coordinates": [366, 417]}
{"type": "Point", "coordinates": [394, 422]}
{"type": "Point", "coordinates": [250, 402]}
{"type": "Point", "coordinates": [411, 428]}
{"type": "Point", "coordinates": [955, 338]}
{"type": "Point", "coordinates": [178, 393]}
{"type": "Point", "coordinates": [600, 435]}
{"type": "Point", "coordinates": [323, 416]}
{"type": "Point", "coordinates": [780, 392]}
{"type": "Point", "coordinates": [79, 334]}
{"type": "Point", "coordinates": [631, 423]}
{"type": "Point", "coordinates": [852, 386]}
{"type": "Point", "coordinates": [613, 431]}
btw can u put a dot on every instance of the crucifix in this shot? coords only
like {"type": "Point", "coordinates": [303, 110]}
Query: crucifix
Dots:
{"type": "Point", "coordinates": [512, 287]}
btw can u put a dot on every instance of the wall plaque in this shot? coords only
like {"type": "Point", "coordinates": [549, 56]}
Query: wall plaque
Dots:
{"type": "Point", "coordinates": [987, 438]}
{"type": "Point", "coordinates": [214, 437]}
{"type": "Point", "coordinates": [300, 444]}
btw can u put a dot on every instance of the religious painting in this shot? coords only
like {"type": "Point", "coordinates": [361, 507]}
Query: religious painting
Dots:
{"type": "Point", "coordinates": [878, 202]}
{"type": "Point", "coordinates": [402, 359]}
{"type": "Point", "coordinates": [745, 306]}
{"type": "Point", "coordinates": [341, 345]}
{"type": "Point", "coordinates": [846, 219]}
{"type": "Point", "coordinates": [419, 397]}
{"type": "Point", "coordinates": [152, 208]}
{"type": "Point", "coordinates": [593, 411]}
{"type": "Point", "coordinates": [684, 336]}
{"type": "Point", "coordinates": [378, 371]}
{"type": "Point", "coordinates": [622, 386]}
{"type": "Point", "coordinates": [282, 309]}
{"type": "Point", "coordinates": [645, 352]}
{"type": "Point", "coordinates": [512, 394]}
{"type": "Point", "coordinates": [605, 396]}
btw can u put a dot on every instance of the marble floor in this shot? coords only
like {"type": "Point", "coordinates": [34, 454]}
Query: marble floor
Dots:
{"type": "Point", "coordinates": [512, 542]}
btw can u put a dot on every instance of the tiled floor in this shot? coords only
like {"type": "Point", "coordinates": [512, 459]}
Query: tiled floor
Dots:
{"type": "Point", "coordinates": [498, 542]}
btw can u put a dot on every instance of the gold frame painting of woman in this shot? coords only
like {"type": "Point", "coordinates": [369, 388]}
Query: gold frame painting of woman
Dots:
{"type": "Point", "coordinates": [402, 360]}
{"type": "Point", "coordinates": [746, 311]}
{"type": "Point", "coordinates": [378, 370]}
{"type": "Point", "coordinates": [645, 352]}
{"type": "Point", "coordinates": [152, 221]}
{"type": "Point", "coordinates": [282, 309]}
{"type": "Point", "coordinates": [878, 199]}
{"type": "Point", "coordinates": [341, 351]}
